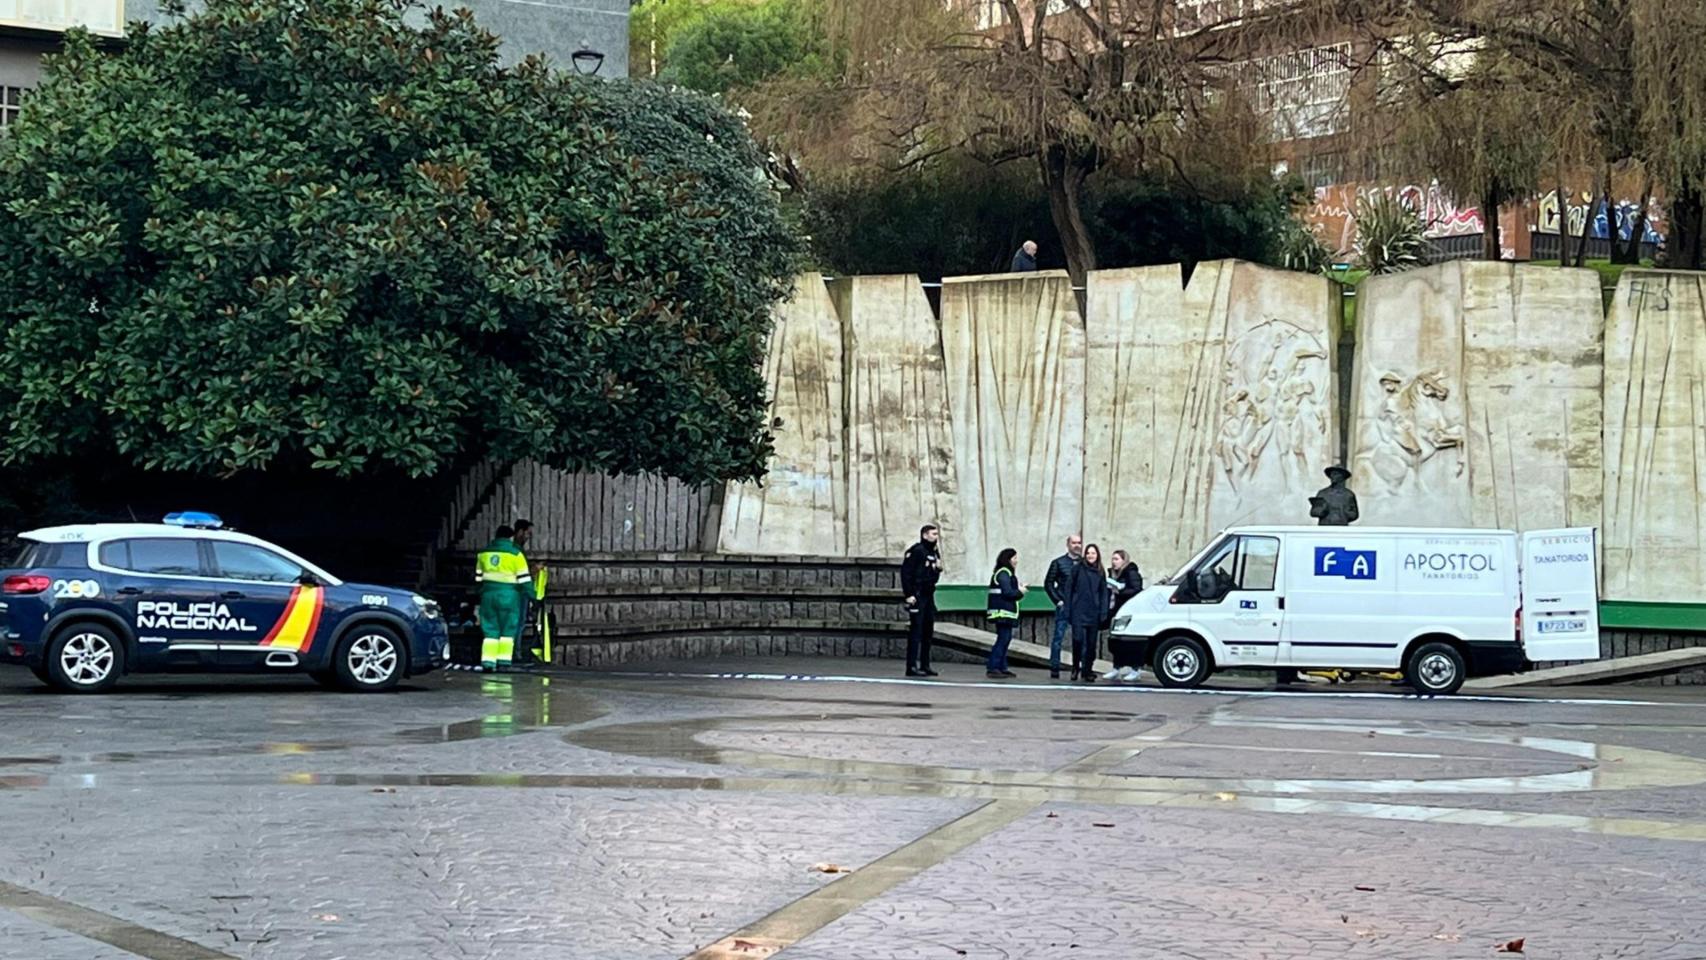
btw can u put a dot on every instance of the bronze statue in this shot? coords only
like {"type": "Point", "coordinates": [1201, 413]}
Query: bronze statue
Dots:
{"type": "Point", "coordinates": [1335, 505]}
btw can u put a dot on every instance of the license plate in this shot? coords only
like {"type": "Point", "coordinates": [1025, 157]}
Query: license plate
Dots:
{"type": "Point", "coordinates": [1563, 626]}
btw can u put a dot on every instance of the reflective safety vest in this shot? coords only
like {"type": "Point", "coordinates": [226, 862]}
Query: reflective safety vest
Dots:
{"type": "Point", "coordinates": [1001, 606]}
{"type": "Point", "coordinates": [502, 564]}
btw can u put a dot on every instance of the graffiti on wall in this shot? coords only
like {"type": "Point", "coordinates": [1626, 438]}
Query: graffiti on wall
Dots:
{"type": "Point", "coordinates": [1621, 213]}
{"type": "Point", "coordinates": [1335, 210]}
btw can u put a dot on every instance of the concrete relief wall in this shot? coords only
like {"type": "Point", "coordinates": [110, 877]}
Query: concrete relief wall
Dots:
{"type": "Point", "coordinates": [1209, 405]}
{"type": "Point", "coordinates": [1014, 346]}
{"type": "Point", "coordinates": [1476, 397]}
{"type": "Point", "coordinates": [1655, 438]}
{"type": "Point", "coordinates": [1534, 371]}
{"type": "Point", "coordinates": [1408, 459]}
{"type": "Point", "coordinates": [801, 506]}
{"type": "Point", "coordinates": [900, 454]}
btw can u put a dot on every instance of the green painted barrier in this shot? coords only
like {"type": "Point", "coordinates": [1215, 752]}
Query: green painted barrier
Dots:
{"type": "Point", "coordinates": [1613, 614]}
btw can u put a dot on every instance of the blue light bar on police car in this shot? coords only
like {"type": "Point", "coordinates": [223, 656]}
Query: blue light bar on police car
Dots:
{"type": "Point", "coordinates": [194, 518]}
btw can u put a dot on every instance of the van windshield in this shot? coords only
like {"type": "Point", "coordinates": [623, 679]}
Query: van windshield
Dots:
{"type": "Point", "coordinates": [1179, 575]}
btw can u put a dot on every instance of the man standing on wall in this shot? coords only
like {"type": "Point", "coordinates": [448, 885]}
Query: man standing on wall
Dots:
{"type": "Point", "coordinates": [919, 571]}
{"type": "Point", "coordinates": [1054, 584]}
{"type": "Point", "coordinates": [1025, 259]}
{"type": "Point", "coordinates": [501, 572]}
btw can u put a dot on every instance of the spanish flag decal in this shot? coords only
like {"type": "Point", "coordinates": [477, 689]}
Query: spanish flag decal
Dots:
{"type": "Point", "coordinates": [295, 629]}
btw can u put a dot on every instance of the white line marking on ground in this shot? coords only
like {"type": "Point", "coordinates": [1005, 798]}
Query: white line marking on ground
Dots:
{"type": "Point", "coordinates": [1110, 689]}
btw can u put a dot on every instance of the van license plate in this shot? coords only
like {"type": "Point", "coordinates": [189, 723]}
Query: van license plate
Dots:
{"type": "Point", "coordinates": [1563, 626]}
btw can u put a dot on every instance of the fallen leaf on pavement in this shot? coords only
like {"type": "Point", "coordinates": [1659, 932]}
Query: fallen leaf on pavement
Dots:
{"type": "Point", "coordinates": [745, 945]}
{"type": "Point", "coordinates": [1512, 946]}
{"type": "Point", "coordinates": [830, 868]}
{"type": "Point", "coordinates": [1344, 918]}
{"type": "Point", "coordinates": [1101, 825]}
{"type": "Point", "coordinates": [1365, 889]}
{"type": "Point", "coordinates": [1053, 816]}
{"type": "Point", "coordinates": [1225, 795]}
{"type": "Point", "coordinates": [1448, 937]}
{"type": "Point", "coordinates": [327, 917]}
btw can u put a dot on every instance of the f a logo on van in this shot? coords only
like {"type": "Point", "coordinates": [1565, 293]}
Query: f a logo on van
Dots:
{"type": "Point", "coordinates": [1339, 562]}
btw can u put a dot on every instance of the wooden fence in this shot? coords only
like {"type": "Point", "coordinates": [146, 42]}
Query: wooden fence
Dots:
{"type": "Point", "coordinates": [593, 513]}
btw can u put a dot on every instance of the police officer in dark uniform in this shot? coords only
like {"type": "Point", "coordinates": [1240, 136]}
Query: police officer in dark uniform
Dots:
{"type": "Point", "coordinates": [919, 571]}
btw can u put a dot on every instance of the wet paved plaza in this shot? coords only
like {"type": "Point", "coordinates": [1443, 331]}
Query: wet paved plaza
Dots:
{"type": "Point", "coordinates": [685, 812]}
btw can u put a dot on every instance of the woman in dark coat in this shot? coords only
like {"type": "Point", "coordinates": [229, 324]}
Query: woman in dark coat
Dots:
{"type": "Point", "coordinates": [1087, 599]}
{"type": "Point", "coordinates": [1125, 652]}
{"type": "Point", "coordinates": [1005, 592]}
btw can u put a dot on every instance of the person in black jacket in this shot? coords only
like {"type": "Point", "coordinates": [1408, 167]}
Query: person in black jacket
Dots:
{"type": "Point", "coordinates": [1025, 259]}
{"type": "Point", "coordinates": [1054, 584]}
{"type": "Point", "coordinates": [919, 571]}
{"type": "Point", "coordinates": [1127, 654]}
{"type": "Point", "coordinates": [1002, 609]}
{"type": "Point", "coordinates": [1087, 599]}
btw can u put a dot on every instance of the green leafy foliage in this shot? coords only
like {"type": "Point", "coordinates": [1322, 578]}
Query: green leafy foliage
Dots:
{"type": "Point", "coordinates": [958, 217]}
{"type": "Point", "coordinates": [310, 231]}
{"type": "Point", "coordinates": [1302, 249]}
{"type": "Point", "coordinates": [731, 46]}
{"type": "Point", "coordinates": [1390, 236]}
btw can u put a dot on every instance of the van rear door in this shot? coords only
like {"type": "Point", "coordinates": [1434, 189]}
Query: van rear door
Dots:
{"type": "Point", "coordinates": [1560, 594]}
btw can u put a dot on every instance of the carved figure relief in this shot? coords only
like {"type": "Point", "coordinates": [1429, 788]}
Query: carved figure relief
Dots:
{"type": "Point", "coordinates": [1412, 433]}
{"type": "Point", "coordinates": [1273, 423]}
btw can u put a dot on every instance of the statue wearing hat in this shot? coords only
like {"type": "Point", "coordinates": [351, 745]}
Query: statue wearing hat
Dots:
{"type": "Point", "coordinates": [1334, 505]}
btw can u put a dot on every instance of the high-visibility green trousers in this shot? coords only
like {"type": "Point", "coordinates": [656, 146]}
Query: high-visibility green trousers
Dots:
{"type": "Point", "coordinates": [500, 624]}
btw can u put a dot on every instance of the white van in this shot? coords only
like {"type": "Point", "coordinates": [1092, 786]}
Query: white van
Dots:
{"type": "Point", "coordinates": [1440, 605]}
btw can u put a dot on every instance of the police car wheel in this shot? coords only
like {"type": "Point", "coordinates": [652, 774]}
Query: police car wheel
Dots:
{"type": "Point", "coordinates": [1435, 669]}
{"type": "Point", "coordinates": [85, 658]}
{"type": "Point", "coordinates": [369, 659]}
{"type": "Point", "coordinates": [1181, 662]}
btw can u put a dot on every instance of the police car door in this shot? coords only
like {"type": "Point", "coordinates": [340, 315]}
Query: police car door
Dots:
{"type": "Point", "coordinates": [1560, 595]}
{"type": "Point", "coordinates": [271, 617]}
{"type": "Point", "coordinates": [158, 585]}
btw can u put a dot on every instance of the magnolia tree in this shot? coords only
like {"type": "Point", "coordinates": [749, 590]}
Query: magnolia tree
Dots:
{"type": "Point", "coordinates": [340, 233]}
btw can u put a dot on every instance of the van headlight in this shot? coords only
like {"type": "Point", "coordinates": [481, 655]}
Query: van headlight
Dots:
{"type": "Point", "coordinates": [427, 607]}
{"type": "Point", "coordinates": [1120, 623]}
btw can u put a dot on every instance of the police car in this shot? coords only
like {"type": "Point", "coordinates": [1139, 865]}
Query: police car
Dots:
{"type": "Point", "coordinates": [83, 605]}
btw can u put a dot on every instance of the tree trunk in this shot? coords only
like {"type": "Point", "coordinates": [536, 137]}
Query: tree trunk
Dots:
{"type": "Point", "coordinates": [1630, 252]}
{"type": "Point", "coordinates": [1063, 180]}
{"type": "Point", "coordinates": [1563, 217]}
{"type": "Point", "coordinates": [1587, 227]}
{"type": "Point", "coordinates": [1491, 248]}
{"type": "Point", "coordinates": [1685, 248]}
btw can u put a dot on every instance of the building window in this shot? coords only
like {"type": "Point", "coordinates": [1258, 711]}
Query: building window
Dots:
{"type": "Point", "coordinates": [1322, 169]}
{"type": "Point", "coordinates": [1303, 91]}
{"type": "Point", "coordinates": [11, 104]}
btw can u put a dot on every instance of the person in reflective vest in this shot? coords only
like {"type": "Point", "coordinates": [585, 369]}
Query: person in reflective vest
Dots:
{"type": "Point", "coordinates": [501, 572]}
{"type": "Point", "coordinates": [1005, 591]}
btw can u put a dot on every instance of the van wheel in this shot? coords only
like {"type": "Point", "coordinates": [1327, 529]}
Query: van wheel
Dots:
{"type": "Point", "coordinates": [1181, 662]}
{"type": "Point", "coordinates": [1435, 669]}
{"type": "Point", "coordinates": [85, 658]}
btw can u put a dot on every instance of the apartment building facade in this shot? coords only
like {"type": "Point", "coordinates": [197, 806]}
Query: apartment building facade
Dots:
{"type": "Point", "coordinates": [596, 30]}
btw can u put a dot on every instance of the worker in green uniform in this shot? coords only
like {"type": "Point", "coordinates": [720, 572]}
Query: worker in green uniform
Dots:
{"type": "Point", "coordinates": [501, 571]}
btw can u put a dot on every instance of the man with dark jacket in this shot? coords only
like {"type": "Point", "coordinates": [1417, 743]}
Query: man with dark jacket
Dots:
{"type": "Point", "coordinates": [919, 571]}
{"type": "Point", "coordinates": [1054, 584]}
{"type": "Point", "coordinates": [1025, 259]}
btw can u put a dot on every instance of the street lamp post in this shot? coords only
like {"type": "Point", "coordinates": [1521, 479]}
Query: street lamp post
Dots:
{"type": "Point", "coordinates": [587, 61]}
